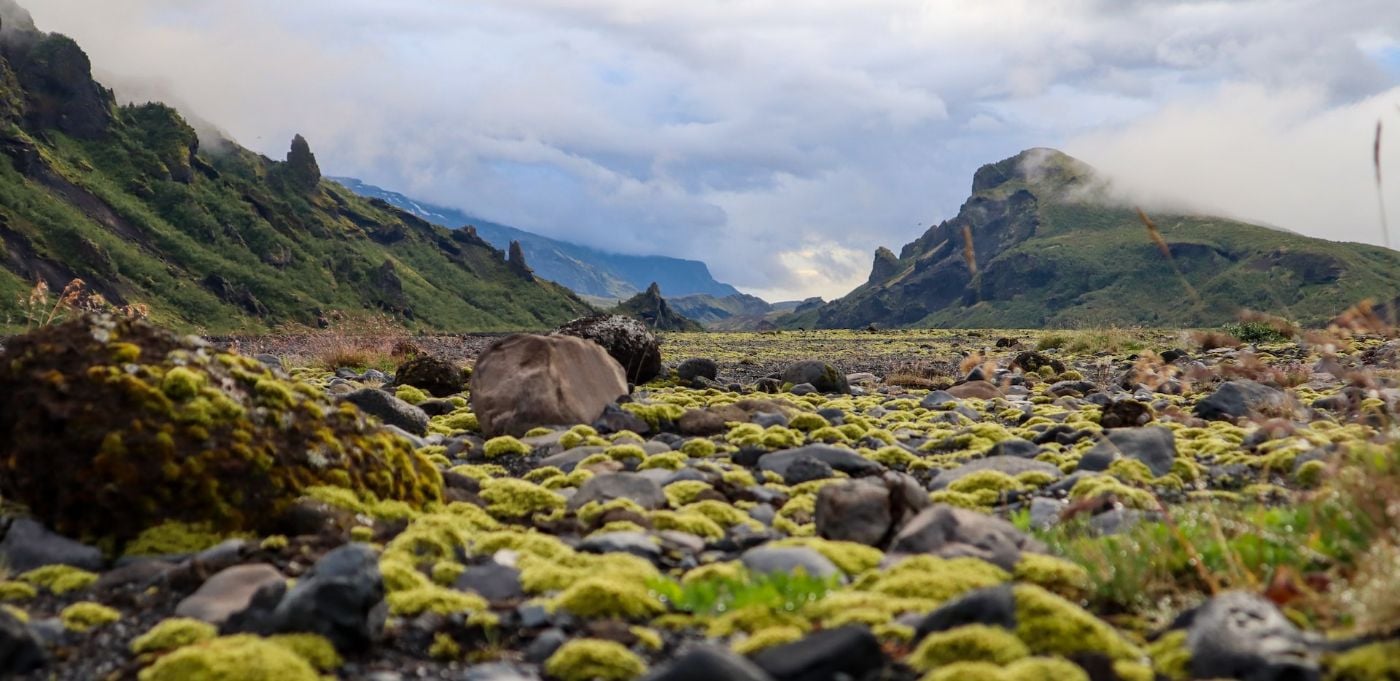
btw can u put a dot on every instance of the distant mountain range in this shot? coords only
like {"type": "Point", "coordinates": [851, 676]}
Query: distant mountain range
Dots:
{"type": "Point", "coordinates": [587, 271]}
{"type": "Point", "coordinates": [1050, 246]}
{"type": "Point", "coordinates": [220, 238]}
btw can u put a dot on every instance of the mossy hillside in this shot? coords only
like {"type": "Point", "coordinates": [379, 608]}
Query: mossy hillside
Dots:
{"type": "Point", "coordinates": [117, 426]}
{"type": "Point", "coordinates": [224, 239]}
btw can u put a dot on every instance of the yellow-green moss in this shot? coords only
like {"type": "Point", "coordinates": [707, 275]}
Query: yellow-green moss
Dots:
{"type": "Point", "coordinates": [13, 591]}
{"type": "Point", "coordinates": [504, 445]}
{"type": "Point", "coordinates": [593, 660]}
{"type": "Point", "coordinates": [808, 422]}
{"type": "Point", "coordinates": [1374, 662]}
{"type": "Point", "coordinates": [972, 643]}
{"type": "Point", "coordinates": [444, 647]}
{"type": "Point", "coordinates": [411, 394]}
{"type": "Point", "coordinates": [934, 579]}
{"type": "Point", "coordinates": [685, 491]}
{"type": "Point", "coordinates": [172, 634]}
{"type": "Point", "coordinates": [1056, 574]}
{"type": "Point", "coordinates": [692, 523]}
{"type": "Point", "coordinates": [515, 498]}
{"type": "Point", "coordinates": [86, 615]}
{"type": "Point", "coordinates": [1170, 655]}
{"type": "Point", "coordinates": [671, 461]}
{"type": "Point", "coordinates": [59, 579]}
{"type": "Point", "coordinates": [435, 599]}
{"type": "Point", "coordinates": [699, 448]}
{"type": "Point", "coordinates": [851, 557]}
{"type": "Point", "coordinates": [317, 650]}
{"type": "Point", "coordinates": [609, 596]}
{"type": "Point", "coordinates": [767, 638]}
{"type": "Point", "coordinates": [1051, 625]}
{"type": "Point", "coordinates": [966, 671]}
{"type": "Point", "coordinates": [176, 538]}
{"type": "Point", "coordinates": [232, 658]}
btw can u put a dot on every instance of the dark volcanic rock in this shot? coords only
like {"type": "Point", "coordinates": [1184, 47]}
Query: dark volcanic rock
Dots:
{"type": "Point", "coordinates": [28, 545]}
{"type": "Point", "coordinates": [709, 663]}
{"type": "Point", "coordinates": [652, 310]}
{"type": "Point", "coordinates": [389, 409]}
{"type": "Point", "coordinates": [629, 342]}
{"type": "Point", "coordinates": [698, 367]}
{"type": "Point", "coordinates": [603, 488]}
{"type": "Point", "coordinates": [438, 377]}
{"type": "Point", "coordinates": [950, 532]}
{"type": "Point", "coordinates": [995, 606]}
{"type": "Point", "coordinates": [849, 652]}
{"type": "Point", "coordinates": [341, 598]}
{"type": "Point", "coordinates": [1154, 446]}
{"type": "Point", "coordinates": [1239, 635]}
{"type": "Point", "coordinates": [1238, 399]}
{"type": "Point", "coordinates": [20, 651]}
{"type": "Point", "coordinates": [839, 458]}
{"type": "Point", "coordinates": [820, 375]}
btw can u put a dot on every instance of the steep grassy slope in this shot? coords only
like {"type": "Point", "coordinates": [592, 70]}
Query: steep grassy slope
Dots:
{"type": "Point", "coordinates": [221, 239]}
{"type": "Point", "coordinates": [584, 270]}
{"type": "Point", "coordinates": [1052, 251]}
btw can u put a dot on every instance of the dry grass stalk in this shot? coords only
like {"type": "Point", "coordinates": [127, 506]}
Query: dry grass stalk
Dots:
{"type": "Point", "coordinates": [1380, 194]}
{"type": "Point", "coordinates": [41, 309]}
{"type": "Point", "coordinates": [1156, 236]}
{"type": "Point", "coordinates": [969, 251]}
{"type": "Point", "coordinates": [352, 342]}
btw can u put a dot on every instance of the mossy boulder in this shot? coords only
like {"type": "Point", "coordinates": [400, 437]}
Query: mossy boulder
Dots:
{"type": "Point", "coordinates": [439, 377]}
{"type": "Point", "coordinates": [111, 426]}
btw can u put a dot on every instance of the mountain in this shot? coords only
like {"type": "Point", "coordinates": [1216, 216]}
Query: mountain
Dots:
{"type": "Point", "coordinates": [1050, 247]}
{"type": "Point", "coordinates": [587, 271]}
{"type": "Point", "coordinates": [653, 310]}
{"type": "Point", "coordinates": [708, 309]}
{"type": "Point", "coordinates": [214, 236]}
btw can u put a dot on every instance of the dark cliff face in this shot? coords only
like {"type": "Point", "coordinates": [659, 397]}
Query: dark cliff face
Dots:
{"type": "Point", "coordinates": [653, 310]}
{"type": "Point", "coordinates": [59, 92]}
{"type": "Point", "coordinates": [1040, 243]}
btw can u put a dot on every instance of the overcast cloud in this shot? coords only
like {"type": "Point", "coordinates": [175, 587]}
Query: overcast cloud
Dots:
{"type": "Point", "coordinates": [780, 142]}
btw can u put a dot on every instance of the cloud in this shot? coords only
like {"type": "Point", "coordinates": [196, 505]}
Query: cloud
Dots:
{"type": "Point", "coordinates": [780, 144]}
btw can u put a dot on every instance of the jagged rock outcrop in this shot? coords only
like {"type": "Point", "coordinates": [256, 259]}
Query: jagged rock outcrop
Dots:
{"type": "Point", "coordinates": [886, 265]}
{"type": "Point", "coordinates": [302, 171]}
{"type": "Point", "coordinates": [651, 309]}
{"type": "Point", "coordinates": [515, 260]}
{"type": "Point", "coordinates": [1044, 241]}
{"type": "Point", "coordinates": [56, 79]}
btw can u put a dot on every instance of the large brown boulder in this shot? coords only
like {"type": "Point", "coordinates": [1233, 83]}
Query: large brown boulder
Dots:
{"type": "Point", "coordinates": [525, 381]}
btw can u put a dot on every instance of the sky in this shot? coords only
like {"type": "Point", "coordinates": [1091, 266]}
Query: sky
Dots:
{"type": "Point", "coordinates": [781, 142]}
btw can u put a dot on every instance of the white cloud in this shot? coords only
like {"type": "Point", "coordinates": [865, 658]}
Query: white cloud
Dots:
{"type": "Point", "coordinates": [775, 141]}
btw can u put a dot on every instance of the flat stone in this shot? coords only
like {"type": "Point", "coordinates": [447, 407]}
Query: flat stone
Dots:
{"type": "Point", "coordinates": [1155, 446]}
{"type": "Point", "coordinates": [951, 532]}
{"type": "Point", "coordinates": [769, 559]}
{"type": "Point", "coordinates": [28, 545]}
{"type": "Point", "coordinates": [839, 458]}
{"type": "Point", "coordinates": [227, 592]}
{"type": "Point", "coordinates": [1010, 465]}
{"type": "Point", "coordinates": [844, 652]}
{"type": "Point", "coordinates": [603, 488]}
{"type": "Point", "coordinates": [494, 582]}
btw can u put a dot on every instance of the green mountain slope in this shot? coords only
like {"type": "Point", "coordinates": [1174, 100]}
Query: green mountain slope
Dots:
{"type": "Point", "coordinates": [223, 239]}
{"type": "Point", "coordinates": [1051, 250]}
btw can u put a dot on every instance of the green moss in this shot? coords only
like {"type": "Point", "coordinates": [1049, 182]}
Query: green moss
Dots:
{"type": "Point", "coordinates": [671, 461]}
{"type": "Point", "coordinates": [852, 558]}
{"type": "Point", "coordinates": [172, 634]}
{"type": "Point", "coordinates": [59, 579]}
{"type": "Point", "coordinates": [504, 445]}
{"type": "Point", "coordinates": [1171, 657]}
{"type": "Point", "coordinates": [966, 671]}
{"type": "Point", "coordinates": [1045, 669]}
{"type": "Point", "coordinates": [692, 523]}
{"type": "Point", "coordinates": [181, 384]}
{"type": "Point", "coordinates": [11, 591]}
{"type": "Point", "coordinates": [767, 638]}
{"type": "Point", "coordinates": [995, 481]}
{"type": "Point", "coordinates": [699, 448]}
{"type": "Point", "coordinates": [593, 660]}
{"type": "Point", "coordinates": [231, 658]}
{"type": "Point", "coordinates": [973, 643]}
{"type": "Point", "coordinates": [175, 537]}
{"type": "Point", "coordinates": [828, 435]}
{"type": "Point", "coordinates": [1096, 486]}
{"type": "Point", "coordinates": [444, 647]}
{"type": "Point", "coordinates": [513, 498]}
{"type": "Point", "coordinates": [892, 457]}
{"type": "Point", "coordinates": [624, 452]}
{"type": "Point", "coordinates": [808, 422]}
{"type": "Point", "coordinates": [593, 510]}
{"type": "Point", "coordinates": [608, 596]}
{"type": "Point", "coordinates": [934, 579]}
{"type": "Point", "coordinates": [85, 616]}
{"type": "Point", "coordinates": [315, 649]}
{"type": "Point", "coordinates": [1056, 574]}
{"type": "Point", "coordinates": [685, 491]}
{"type": "Point", "coordinates": [411, 394]}
{"type": "Point", "coordinates": [1051, 625]}
{"type": "Point", "coordinates": [1311, 474]}
{"type": "Point", "coordinates": [720, 512]}
{"type": "Point", "coordinates": [435, 599]}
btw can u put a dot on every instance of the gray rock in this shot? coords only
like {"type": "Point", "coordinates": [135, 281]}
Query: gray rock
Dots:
{"type": "Point", "coordinates": [20, 651]}
{"type": "Point", "coordinates": [568, 459]}
{"type": "Point", "coordinates": [709, 663]}
{"type": "Point", "coordinates": [803, 389]}
{"type": "Point", "coordinates": [227, 592]}
{"type": "Point", "coordinates": [1238, 399]}
{"type": "Point", "coordinates": [822, 376]}
{"type": "Point", "coordinates": [500, 671]}
{"type": "Point", "coordinates": [1010, 465]}
{"type": "Point", "coordinates": [389, 409]}
{"type": "Point", "coordinates": [544, 645]}
{"type": "Point", "coordinates": [839, 458]}
{"type": "Point", "coordinates": [28, 545]}
{"type": "Point", "coordinates": [849, 652]}
{"type": "Point", "coordinates": [937, 399]}
{"type": "Point", "coordinates": [951, 532]}
{"type": "Point", "coordinates": [854, 510]}
{"type": "Point", "coordinates": [1015, 446]}
{"type": "Point", "coordinates": [995, 606]}
{"type": "Point", "coordinates": [635, 543]}
{"type": "Point", "coordinates": [1239, 635]}
{"type": "Point", "coordinates": [767, 419]}
{"type": "Point", "coordinates": [1153, 445]}
{"type": "Point", "coordinates": [1045, 513]}
{"type": "Point", "coordinates": [603, 488]}
{"type": "Point", "coordinates": [806, 469]}
{"type": "Point", "coordinates": [767, 560]}
{"type": "Point", "coordinates": [698, 367]}
{"type": "Point", "coordinates": [494, 582]}
{"type": "Point", "coordinates": [341, 598]}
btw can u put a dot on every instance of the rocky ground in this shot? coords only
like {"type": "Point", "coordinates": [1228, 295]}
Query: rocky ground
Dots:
{"type": "Point", "coordinates": [824, 505]}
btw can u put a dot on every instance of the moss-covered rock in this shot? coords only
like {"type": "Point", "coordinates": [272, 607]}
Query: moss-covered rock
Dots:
{"type": "Point", "coordinates": [232, 658]}
{"type": "Point", "coordinates": [113, 426]}
{"type": "Point", "coordinates": [173, 634]}
{"type": "Point", "coordinates": [593, 660]}
{"type": "Point", "coordinates": [86, 615]}
{"type": "Point", "coordinates": [972, 643]}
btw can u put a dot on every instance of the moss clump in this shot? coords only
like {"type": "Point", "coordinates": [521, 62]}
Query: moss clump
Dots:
{"type": "Point", "coordinates": [86, 616]}
{"type": "Point", "coordinates": [690, 523]}
{"type": "Point", "coordinates": [99, 448]}
{"type": "Point", "coordinates": [59, 579]}
{"type": "Point", "coordinates": [699, 448]}
{"type": "Point", "coordinates": [851, 557]}
{"type": "Point", "coordinates": [1170, 656]}
{"type": "Point", "coordinates": [514, 498]}
{"type": "Point", "coordinates": [173, 634]}
{"type": "Point", "coordinates": [11, 591]}
{"type": "Point", "coordinates": [175, 538]}
{"type": "Point", "coordinates": [504, 445]}
{"type": "Point", "coordinates": [315, 649]}
{"type": "Point", "coordinates": [432, 598]}
{"type": "Point", "coordinates": [934, 579]}
{"type": "Point", "coordinates": [593, 660]}
{"type": "Point", "coordinates": [411, 394]}
{"type": "Point", "coordinates": [232, 658]}
{"type": "Point", "coordinates": [1051, 625]}
{"type": "Point", "coordinates": [972, 643]}
{"type": "Point", "coordinates": [1056, 574]}
{"type": "Point", "coordinates": [607, 596]}
{"type": "Point", "coordinates": [767, 638]}
{"type": "Point", "coordinates": [1028, 669]}
{"type": "Point", "coordinates": [685, 491]}
{"type": "Point", "coordinates": [808, 422]}
{"type": "Point", "coordinates": [445, 647]}
{"type": "Point", "coordinates": [1375, 662]}
{"type": "Point", "coordinates": [671, 461]}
